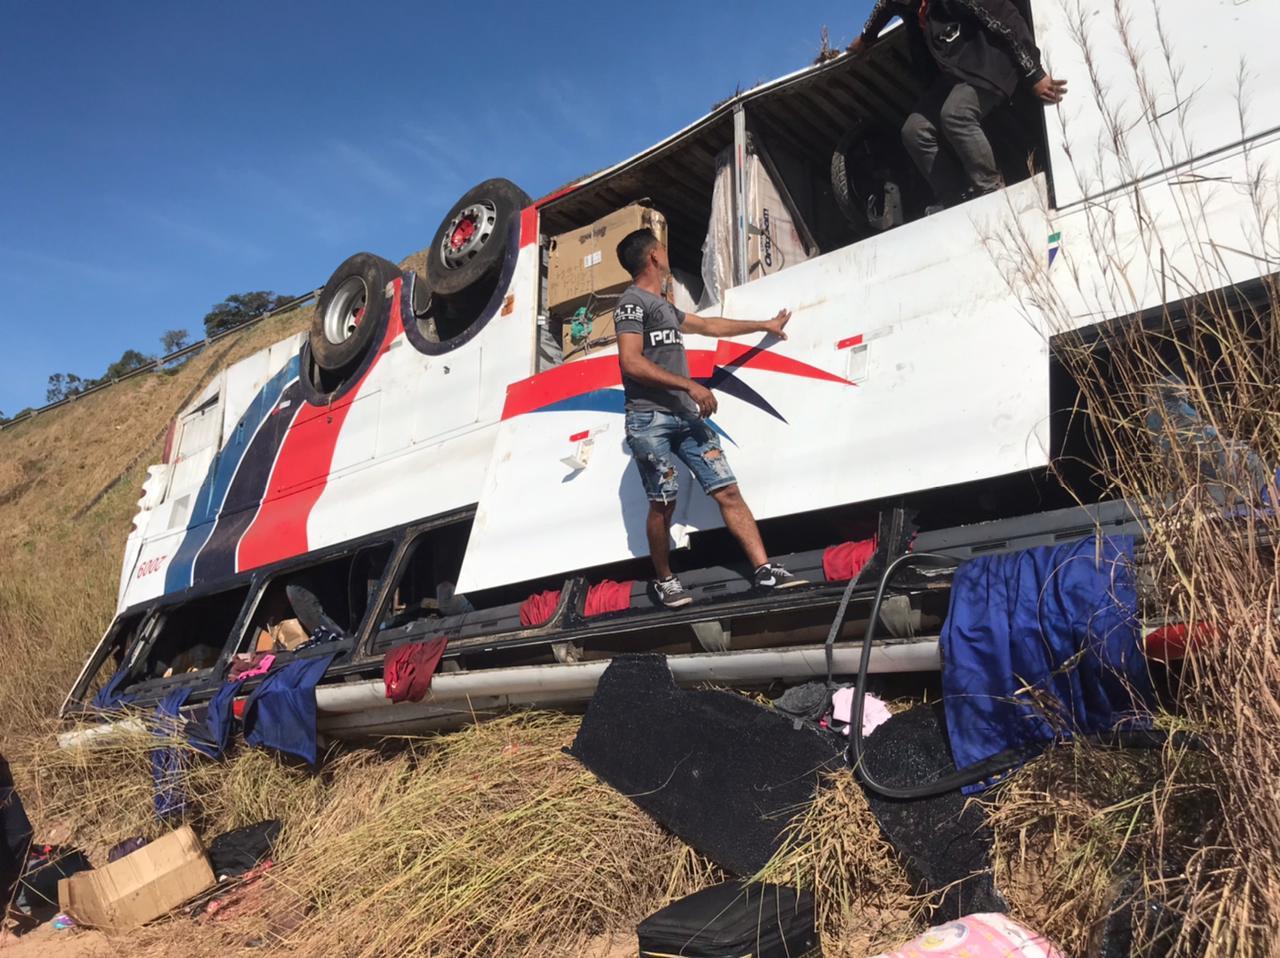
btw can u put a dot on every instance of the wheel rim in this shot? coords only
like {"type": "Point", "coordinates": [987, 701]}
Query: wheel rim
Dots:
{"type": "Point", "coordinates": [345, 310]}
{"type": "Point", "coordinates": [467, 234]}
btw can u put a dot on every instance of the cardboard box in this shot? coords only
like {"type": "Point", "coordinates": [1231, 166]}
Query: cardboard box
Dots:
{"type": "Point", "coordinates": [585, 261]}
{"type": "Point", "coordinates": [139, 887]}
{"type": "Point", "coordinates": [283, 636]}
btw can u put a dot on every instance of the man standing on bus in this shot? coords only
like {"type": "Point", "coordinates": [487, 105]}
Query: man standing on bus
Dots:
{"type": "Point", "coordinates": [666, 413]}
{"type": "Point", "coordinates": [980, 50]}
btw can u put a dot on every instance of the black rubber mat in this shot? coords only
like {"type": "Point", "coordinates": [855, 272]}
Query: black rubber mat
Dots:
{"type": "Point", "coordinates": [724, 774]}
{"type": "Point", "coordinates": [944, 840]}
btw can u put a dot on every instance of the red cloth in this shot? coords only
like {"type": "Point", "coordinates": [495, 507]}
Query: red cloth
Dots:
{"type": "Point", "coordinates": [408, 670]}
{"type": "Point", "coordinates": [1171, 642]}
{"type": "Point", "coordinates": [608, 596]}
{"type": "Point", "coordinates": [843, 562]}
{"type": "Point", "coordinates": [538, 609]}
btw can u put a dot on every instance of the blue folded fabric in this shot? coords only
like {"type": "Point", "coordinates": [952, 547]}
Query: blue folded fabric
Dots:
{"type": "Point", "coordinates": [109, 698]}
{"type": "Point", "coordinates": [1041, 645]}
{"type": "Point", "coordinates": [212, 735]}
{"type": "Point", "coordinates": [167, 763]}
{"type": "Point", "coordinates": [281, 712]}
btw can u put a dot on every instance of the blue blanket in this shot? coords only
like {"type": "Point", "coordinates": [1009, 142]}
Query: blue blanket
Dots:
{"type": "Point", "coordinates": [212, 734]}
{"type": "Point", "coordinates": [167, 762]}
{"type": "Point", "coordinates": [1041, 645]}
{"type": "Point", "coordinates": [109, 697]}
{"type": "Point", "coordinates": [281, 712]}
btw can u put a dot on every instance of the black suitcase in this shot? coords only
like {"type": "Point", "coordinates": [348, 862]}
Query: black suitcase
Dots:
{"type": "Point", "coordinates": [733, 920]}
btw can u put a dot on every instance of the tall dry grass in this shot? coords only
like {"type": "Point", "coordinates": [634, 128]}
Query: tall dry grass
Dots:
{"type": "Point", "coordinates": [836, 851]}
{"type": "Point", "coordinates": [69, 484]}
{"type": "Point", "coordinates": [488, 841]}
{"type": "Point", "coordinates": [1183, 415]}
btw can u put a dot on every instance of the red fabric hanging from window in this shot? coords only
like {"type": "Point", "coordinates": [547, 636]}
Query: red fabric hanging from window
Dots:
{"type": "Point", "coordinates": [407, 671]}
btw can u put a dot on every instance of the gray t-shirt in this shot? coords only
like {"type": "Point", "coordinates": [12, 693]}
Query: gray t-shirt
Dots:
{"type": "Point", "coordinates": [659, 323]}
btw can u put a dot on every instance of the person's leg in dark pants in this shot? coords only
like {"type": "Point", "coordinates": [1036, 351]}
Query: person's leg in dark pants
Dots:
{"type": "Point", "coordinates": [945, 139]}
{"type": "Point", "coordinates": [963, 111]}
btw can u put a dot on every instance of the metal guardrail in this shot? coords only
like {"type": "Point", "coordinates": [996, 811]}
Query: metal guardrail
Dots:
{"type": "Point", "coordinates": [163, 361]}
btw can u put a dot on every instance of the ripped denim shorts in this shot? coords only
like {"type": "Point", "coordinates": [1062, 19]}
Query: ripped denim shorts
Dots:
{"type": "Point", "coordinates": [655, 436]}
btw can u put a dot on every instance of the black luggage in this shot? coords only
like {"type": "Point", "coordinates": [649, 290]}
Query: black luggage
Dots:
{"type": "Point", "coordinates": [733, 920]}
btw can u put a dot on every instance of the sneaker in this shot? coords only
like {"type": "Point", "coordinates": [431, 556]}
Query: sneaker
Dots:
{"type": "Point", "coordinates": [671, 593]}
{"type": "Point", "coordinates": [774, 577]}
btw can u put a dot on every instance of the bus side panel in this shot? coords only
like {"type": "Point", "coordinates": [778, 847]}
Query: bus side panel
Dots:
{"type": "Point", "coordinates": [909, 365]}
{"type": "Point", "coordinates": [1211, 43]}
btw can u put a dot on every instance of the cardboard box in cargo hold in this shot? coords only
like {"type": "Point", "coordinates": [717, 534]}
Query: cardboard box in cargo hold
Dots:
{"type": "Point", "coordinates": [585, 261]}
{"type": "Point", "coordinates": [139, 887]}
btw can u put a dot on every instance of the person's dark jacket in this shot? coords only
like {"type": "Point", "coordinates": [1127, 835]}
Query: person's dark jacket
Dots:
{"type": "Point", "coordinates": [987, 43]}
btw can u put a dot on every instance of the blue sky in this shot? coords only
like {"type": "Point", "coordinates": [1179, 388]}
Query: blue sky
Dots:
{"type": "Point", "coordinates": [160, 155]}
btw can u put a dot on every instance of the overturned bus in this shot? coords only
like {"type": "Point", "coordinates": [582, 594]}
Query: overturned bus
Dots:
{"type": "Point", "coordinates": [441, 456]}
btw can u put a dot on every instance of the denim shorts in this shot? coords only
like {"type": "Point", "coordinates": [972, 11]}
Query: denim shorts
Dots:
{"type": "Point", "coordinates": [655, 436]}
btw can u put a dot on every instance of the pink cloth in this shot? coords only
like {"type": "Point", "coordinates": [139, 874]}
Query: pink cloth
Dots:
{"type": "Point", "coordinates": [874, 712]}
{"type": "Point", "coordinates": [843, 562]}
{"type": "Point", "coordinates": [978, 936]}
{"type": "Point", "coordinates": [243, 666]}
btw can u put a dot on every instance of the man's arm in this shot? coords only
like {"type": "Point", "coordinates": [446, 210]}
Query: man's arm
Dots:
{"type": "Point", "coordinates": [881, 14]}
{"type": "Point", "coordinates": [635, 366]}
{"type": "Point", "coordinates": [720, 327]}
{"type": "Point", "coordinates": [1006, 23]}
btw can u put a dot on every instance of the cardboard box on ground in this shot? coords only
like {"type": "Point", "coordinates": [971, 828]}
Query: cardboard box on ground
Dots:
{"type": "Point", "coordinates": [584, 272]}
{"type": "Point", "coordinates": [139, 887]}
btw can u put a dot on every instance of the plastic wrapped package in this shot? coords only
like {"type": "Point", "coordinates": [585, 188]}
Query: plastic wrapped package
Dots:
{"type": "Point", "coordinates": [773, 241]}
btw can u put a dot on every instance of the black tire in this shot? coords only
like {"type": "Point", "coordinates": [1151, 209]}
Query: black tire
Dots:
{"type": "Point", "coordinates": [462, 256]}
{"type": "Point", "coordinates": [854, 211]}
{"type": "Point", "coordinates": [357, 289]}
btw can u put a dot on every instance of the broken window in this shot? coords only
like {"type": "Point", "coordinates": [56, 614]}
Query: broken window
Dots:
{"type": "Point", "coordinates": [332, 595]}
{"type": "Point", "coordinates": [190, 637]}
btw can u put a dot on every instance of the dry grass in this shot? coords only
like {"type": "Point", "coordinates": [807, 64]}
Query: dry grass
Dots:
{"type": "Point", "coordinates": [1196, 482]}
{"type": "Point", "coordinates": [69, 484]}
{"type": "Point", "coordinates": [836, 850]}
{"type": "Point", "coordinates": [489, 841]}
{"type": "Point", "coordinates": [1112, 827]}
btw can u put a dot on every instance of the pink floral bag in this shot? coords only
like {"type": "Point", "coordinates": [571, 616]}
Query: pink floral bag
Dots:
{"type": "Point", "coordinates": [978, 936]}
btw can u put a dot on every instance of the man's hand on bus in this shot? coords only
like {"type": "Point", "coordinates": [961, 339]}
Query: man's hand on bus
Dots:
{"type": "Point", "coordinates": [778, 324]}
{"type": "Point", "coordinates": [1050, 90]}
{"type": "Point", "coordinates": [704, 398]}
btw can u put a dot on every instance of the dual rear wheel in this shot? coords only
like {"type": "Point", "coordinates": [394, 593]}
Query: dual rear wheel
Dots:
{"type": "Point", "coordinates": [464, 264]}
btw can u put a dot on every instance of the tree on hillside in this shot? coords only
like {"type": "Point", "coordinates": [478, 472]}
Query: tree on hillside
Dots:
{"type": "Point", "coordinates": [129, 360]}
{"type": "Point", "coordinates": [173, 340]}
{"type": "Point", "coordinates": [239, 308]}
{"type": "Point", "coordinates": [63, 385]}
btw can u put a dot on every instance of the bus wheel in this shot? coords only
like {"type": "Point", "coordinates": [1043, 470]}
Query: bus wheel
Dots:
{"type": "Point", "coordinates": [471, 243]}
{"type": "Point", "coordinates": [348, 310]}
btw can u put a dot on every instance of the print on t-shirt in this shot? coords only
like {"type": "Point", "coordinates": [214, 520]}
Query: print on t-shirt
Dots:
{"type": "Point", "coordinates": [659, 323]}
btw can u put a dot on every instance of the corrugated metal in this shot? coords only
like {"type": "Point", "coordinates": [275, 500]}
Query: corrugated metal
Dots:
{"type": "Point", "coordinates": [811, 111]}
